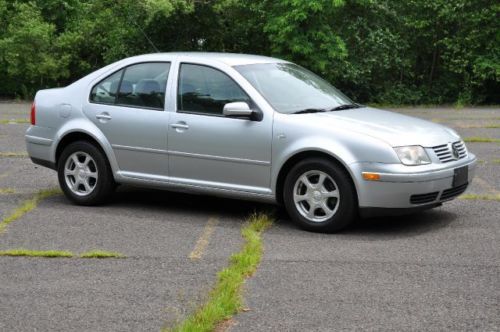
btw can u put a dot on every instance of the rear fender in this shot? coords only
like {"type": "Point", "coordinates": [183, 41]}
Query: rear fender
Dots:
{"type": "Point", "coordinates": [85, 127]}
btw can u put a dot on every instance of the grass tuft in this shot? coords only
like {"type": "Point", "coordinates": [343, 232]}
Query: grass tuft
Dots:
{"type": "Point", "coordinates": [12, 121]}
{"type": "Point", "coordinates": [481, 140]}
{"type": "Point", "coordinates": [101, 254]}
{"type": "Point", "coordinates": [496, 161]}
{"type": "Point", "coordinates": [27, 206]}
{"type": "Point", "coordinates": [59, 253]}
{"type": "Point", "coordinates": [493, 126]}
{"type": "Point", "coordinates": [37, 253]}
{"type": "Point", "coordinates": [226, 299]}
{"type": "Point", "coordinates": [4, 191]}
{"type": "Point", "coordinates": [13, 154]}
{"type": "Point", "coordinates": [481, 197]}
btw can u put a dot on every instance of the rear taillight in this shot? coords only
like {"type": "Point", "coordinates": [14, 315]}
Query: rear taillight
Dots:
{"type": "Point", "coordinates": [33, 114]}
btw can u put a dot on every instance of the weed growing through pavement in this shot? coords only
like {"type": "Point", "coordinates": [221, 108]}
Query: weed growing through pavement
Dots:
{"type": "Point", "coordinates": [101, 254]}
{"type": "Point", "coordinates": [226, 299]}
{"type": "Point", "coordinates": [4, 191]}
{"type": "Point", "coordinates": [36, 253]}
{"type": "Point", "coordinates": [481, 197]}
{"type": "Point", "coordinates": [27, 206]}
{"type": "Point", "coordinates": [481, 140]}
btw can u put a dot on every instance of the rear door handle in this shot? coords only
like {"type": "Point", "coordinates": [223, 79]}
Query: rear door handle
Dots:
{"type": "Point", "coordinates": [103, 116]}
{"type": "Point", "coordinates": [180, 125]}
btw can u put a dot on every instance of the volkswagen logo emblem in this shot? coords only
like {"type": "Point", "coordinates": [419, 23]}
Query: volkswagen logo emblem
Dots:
{"type": "Point", "coordinates": [454, 151]}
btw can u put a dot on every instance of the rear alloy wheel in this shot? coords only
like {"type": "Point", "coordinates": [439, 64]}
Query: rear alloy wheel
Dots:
{"type": "Point", "coordinates": [319, 196]}
{"type": "Point", "coordinates": [84, 174]}
{"type": "Point", "coordinates": [80, 173]}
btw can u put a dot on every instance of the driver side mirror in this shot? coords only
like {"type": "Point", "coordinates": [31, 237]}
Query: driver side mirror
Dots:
{"type": "Point", "coordinates": [241, 110]}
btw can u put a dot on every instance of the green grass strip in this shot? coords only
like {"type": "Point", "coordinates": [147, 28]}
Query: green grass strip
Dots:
{"type": "Point", "coordinates": [481, 197]}
{"type": "Point", "coordinates": [226, 299]}
{"type": "Point", "coordinates": [59, 253]}
{"type": "Point", "coordinates": [37, 253]}
{"type": "Point", "coordinates": [4, 191]}
{"type": "Point", "coordinates": [27, 206]}
{"type": "Point", "coordinates": [481, 140]}
{"type": "Point", "coordinates": [13, 154]}
{"type": "Point", "coordinates": [493, 126]}
{"type": "Point", "coordinates": [9, 121]}
{"type": "Point", "coordinates": [101, 254]}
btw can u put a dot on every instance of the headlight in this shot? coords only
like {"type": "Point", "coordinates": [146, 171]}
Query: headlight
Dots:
{"type": "Point", "coordinates": [412, 155]}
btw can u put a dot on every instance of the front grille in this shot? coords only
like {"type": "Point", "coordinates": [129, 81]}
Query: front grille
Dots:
{"type": "Point", "coordinates": [445, 152]}
{"type": "Point", "coordinates": [453, 192]}
{"type": "Point", "coordinates": [423, 198]}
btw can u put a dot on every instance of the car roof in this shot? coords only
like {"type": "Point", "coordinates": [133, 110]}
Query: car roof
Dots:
{"type": "Point", "coordinates": [230, 59]}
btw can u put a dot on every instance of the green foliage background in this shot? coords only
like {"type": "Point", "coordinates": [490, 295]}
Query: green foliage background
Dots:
{"type": "Point", "coordinates": [381, 51]}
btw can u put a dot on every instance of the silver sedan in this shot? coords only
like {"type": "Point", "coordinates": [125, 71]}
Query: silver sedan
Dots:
{"type": "Point", "coordinates": [243, 126]}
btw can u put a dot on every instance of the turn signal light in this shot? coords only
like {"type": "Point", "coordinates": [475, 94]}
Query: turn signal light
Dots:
{"type": "Point", "coordinates": [371, 176]}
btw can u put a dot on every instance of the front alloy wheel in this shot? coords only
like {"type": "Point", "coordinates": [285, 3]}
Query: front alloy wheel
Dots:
{"type": "Point", "coordinates": [319, 195]}
{"type": "Point", "coordinates": [316, 196]}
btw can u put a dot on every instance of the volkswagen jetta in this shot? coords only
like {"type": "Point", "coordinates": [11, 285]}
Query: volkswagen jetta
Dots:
{"type": "Point", "coordinates": [243, 126]}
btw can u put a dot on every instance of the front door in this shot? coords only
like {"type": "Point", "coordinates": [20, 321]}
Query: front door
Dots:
{"type": "Point", "coordinates": [128, 107]}
{"type": "Point", "coordinates": [208, 149]}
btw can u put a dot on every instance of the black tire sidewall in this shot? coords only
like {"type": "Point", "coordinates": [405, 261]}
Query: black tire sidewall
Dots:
{"type": "Point", "coordinates": [348, 201]}
{"type": "Point", "coordinates": [105, 183]}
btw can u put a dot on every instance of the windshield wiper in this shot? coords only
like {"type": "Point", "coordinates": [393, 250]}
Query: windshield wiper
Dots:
{"type": "Point", "coordinates": [310, 110]}
{"type": "Point", "coordinates": [321, 110]}
{"type": "Point", "coordinates": [344, 107]}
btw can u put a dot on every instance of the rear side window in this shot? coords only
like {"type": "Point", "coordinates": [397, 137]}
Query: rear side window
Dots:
{"type": "Point", "coordinates": [142, 85]}
{"type": "Point", "coordinates": [206, 90]}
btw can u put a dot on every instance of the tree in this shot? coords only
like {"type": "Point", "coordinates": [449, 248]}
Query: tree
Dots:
{"type": "Point", "coordinates": [28, 55]}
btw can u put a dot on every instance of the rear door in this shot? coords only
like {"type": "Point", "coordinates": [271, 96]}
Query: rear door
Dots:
{"type": "Point", "coordinates": [128, 106]}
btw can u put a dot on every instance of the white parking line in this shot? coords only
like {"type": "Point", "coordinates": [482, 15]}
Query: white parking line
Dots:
{"type": "Point", "coordinates": [3, 175]}
{"type": "Point", "coordinates": [486, 186]}
{"type": "Point", "coordinates": [203, 240]}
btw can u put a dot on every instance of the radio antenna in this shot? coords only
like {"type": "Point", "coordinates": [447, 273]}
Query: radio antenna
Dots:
{"type": "Point", "coordinates": [144, 34]}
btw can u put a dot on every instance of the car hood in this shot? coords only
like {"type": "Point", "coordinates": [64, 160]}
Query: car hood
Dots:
{"type": "Point", "coordinates": [393, 128]}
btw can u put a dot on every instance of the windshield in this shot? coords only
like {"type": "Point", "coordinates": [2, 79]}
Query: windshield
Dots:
{"type": "Point", "coordinates": [290, 88]}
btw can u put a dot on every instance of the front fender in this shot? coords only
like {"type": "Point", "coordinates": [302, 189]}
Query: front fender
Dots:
{"type": "Point", "coordinates": [310, 144]}
{"type": "Point", "coordinates": [293, 136]}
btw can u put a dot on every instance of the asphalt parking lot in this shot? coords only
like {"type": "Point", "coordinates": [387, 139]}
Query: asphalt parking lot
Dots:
{"type": "Point", "coordinates": [437, 270]}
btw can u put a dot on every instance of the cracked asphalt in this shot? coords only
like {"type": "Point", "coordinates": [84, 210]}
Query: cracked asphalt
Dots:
{"type": "Point", "coordinates": [437, 270]}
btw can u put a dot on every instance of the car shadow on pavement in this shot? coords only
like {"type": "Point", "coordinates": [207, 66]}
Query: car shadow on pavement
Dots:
{"type": "Point", "coordinates": [161, 200]}
{"type": "Point", "coordinates": [183, 202]}
{"type": "Point", "coordinates": [406, 225]}
{"type": "Point", "coordinates": [413, 224]}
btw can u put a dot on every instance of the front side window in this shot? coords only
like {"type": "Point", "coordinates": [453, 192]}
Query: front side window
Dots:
{"type": "Point", "coordinates": [290, 88]}
{"type": "Point", "coordinates": [142, 85]}
{"type": "Point", "coordinates": [206, 90]}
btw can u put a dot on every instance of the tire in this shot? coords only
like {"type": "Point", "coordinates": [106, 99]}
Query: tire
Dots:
{"type": "Point", "coordinates": [333, 202]}
{"type": "Point", "coordinates": [92, 168]}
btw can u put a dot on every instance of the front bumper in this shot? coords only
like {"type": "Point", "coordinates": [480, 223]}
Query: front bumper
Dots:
{"type": "Point", "coordinates": [409, 187]}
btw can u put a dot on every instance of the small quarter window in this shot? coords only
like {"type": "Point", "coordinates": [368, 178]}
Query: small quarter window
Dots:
{"type": "Point", "coordinates": [105, 91]}
{"type": "Point", "coordinates": [206, 90]}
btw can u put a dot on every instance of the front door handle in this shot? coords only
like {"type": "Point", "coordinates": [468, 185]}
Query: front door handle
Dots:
{"type": "Point", "coordinates": [103, 116]}
{"type": "Point", "coordinates": [180, 125]}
